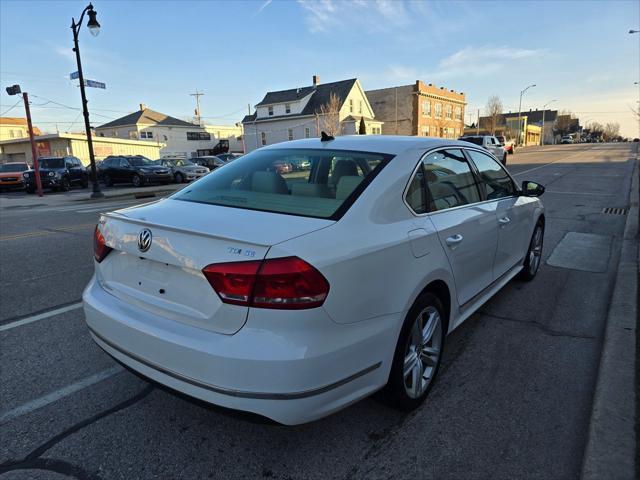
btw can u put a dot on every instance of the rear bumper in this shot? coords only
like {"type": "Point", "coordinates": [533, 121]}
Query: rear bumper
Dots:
{"type": "Point", "coordinates": [291, 368]}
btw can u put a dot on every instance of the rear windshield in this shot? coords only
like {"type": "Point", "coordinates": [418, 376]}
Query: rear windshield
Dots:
{"type": "Point", "coordinates": [307, 182]}
{"type": "Point", "coordinates": [476, 140]}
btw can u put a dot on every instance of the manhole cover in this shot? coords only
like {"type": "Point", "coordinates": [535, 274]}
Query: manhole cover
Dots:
{"type": "Point", "coordinates": [615, 210]}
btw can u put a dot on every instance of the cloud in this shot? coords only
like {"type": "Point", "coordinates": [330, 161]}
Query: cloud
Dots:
{"type": "Point", "coordinates": [323, 16]}
{"type": "Point", "coordinates": [477, 61]}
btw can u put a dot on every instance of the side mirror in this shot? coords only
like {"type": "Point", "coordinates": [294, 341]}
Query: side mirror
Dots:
{"type": "Point", "coordinates": [532, 189]}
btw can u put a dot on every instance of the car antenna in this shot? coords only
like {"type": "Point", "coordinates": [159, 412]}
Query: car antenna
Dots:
{"type": "Point", "coordinates": [326, 138]}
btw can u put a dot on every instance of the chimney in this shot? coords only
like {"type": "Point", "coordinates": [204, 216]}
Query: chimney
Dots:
{"type": "Point", "coordinates": [316, 80]}
{"type": "Point", "coordinates": [143, 107]}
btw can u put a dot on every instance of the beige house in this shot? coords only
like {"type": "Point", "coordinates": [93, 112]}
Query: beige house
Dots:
{"type": "Point", "coordinates": [61, 144]}
{"type": "Point", "coordinates": [305, 112]}
{"type": "Point", "coordinates": [12, 127]}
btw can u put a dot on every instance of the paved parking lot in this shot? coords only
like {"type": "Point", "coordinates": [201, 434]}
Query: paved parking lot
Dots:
{"type": "Point", "coordinates": [513, 397]}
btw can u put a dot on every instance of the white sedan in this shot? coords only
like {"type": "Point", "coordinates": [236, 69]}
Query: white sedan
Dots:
{"type": "Point", "coordinates": [294, 293]}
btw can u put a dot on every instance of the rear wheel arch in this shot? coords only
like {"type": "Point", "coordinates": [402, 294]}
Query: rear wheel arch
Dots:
{"type": "Point", "coordinates": [441, 290]}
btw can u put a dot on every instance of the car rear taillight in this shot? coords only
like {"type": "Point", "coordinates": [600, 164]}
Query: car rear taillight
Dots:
{"type": "Point", "coordinates": [287, 283]}
{"type": "Point", "coordinates": [100, 248]}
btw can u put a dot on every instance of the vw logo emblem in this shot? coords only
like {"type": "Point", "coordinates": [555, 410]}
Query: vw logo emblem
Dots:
{"type": "Point", "coordinates": [144, 240]}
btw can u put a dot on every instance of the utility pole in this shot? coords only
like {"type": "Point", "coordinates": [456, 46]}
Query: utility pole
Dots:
{"type": "Point", "coordinates": [396, 90]}
{"type": "Point", "coordinates": [34, 150]}
{"type": "Point", "coordinates": [197, 95]}
{"type": "Point", "coordinates": [478, 124]}
{"type": "Point", "coordinates": [519, 115]}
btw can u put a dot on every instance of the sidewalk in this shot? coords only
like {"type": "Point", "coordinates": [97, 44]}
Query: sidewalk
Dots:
{"type": "Point", "coordinates": [24, 200]}
{"type": "Point", "coordinates": [611, 446]}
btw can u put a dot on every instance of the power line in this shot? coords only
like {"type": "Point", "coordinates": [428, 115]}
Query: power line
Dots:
{"type": "Point", "coordinates": [10, 108]}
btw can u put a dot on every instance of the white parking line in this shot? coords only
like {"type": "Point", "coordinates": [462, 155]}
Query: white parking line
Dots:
{"type": "Point", "coordinates": [57, 395]}
{"type": "Point", "coordinates": [41, 316]}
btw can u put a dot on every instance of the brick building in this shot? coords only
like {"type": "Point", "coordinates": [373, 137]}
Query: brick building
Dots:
{"type": "Point", "coordinates": [419, 109]}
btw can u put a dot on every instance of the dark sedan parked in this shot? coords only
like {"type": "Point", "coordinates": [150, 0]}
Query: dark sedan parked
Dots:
{"type": "Point", "coordinates": [134, 169]}
{"type": "Point", "coordinates": [57, 173]}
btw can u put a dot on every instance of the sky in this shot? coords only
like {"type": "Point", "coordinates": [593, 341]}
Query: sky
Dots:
{"type": "Point", "coordinates": [578, 53]}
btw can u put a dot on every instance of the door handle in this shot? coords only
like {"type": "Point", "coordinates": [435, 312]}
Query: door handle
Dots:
{"type": "Point", "coordinates": [504, 220]}
{"type": "Point", "coordinates": [454, 240]}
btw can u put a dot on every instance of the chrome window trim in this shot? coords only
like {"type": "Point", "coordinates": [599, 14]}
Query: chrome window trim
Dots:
{"type": "Point", "coordinates": [473, 169]}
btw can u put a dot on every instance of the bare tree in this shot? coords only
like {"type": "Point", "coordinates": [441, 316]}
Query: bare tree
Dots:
{"type": "Point", "coordinates": [330, 116]}
{"type": "Point", "coordinates": [494, 110]}
{"type": "Point", "coordinates": [595, 129]}
{"type": "Point", "coordinates": [611, 131]}
{"type": "Point", "coordinates": [565, 123]}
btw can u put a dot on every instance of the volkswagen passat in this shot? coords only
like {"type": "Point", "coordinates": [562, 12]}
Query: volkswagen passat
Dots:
{"type": "Point", "coordinates": [293, 294]}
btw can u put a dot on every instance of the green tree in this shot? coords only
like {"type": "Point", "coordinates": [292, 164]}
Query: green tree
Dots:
{"type": "Point", "coordinates": [363, 128]}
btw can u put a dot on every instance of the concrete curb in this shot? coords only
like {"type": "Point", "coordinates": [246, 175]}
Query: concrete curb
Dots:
{"type": "Point", "coordinates": [135, 193]}
{"type": "Point", "coordinates": [611, 445]}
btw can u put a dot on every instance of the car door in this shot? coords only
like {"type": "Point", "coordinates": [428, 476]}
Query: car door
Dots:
{"type": "Point", "coordinates": [465, 224]}
{"type": "Point", "coordinates": [75, 170]}
{"type": "Point", "coordinates": [512, 211]}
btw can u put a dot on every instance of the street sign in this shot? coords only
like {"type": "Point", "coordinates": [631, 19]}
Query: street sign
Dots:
{"type": "Point", "coordinates": [74, 75]}
{"type": "Point", "coordinates": [94, 84]}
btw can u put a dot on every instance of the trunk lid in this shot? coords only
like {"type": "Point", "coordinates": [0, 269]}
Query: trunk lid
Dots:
{"type": "Point", "coordinates": [167, 278]}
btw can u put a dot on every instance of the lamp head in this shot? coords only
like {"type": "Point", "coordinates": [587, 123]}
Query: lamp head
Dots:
{"type": "Point", "coordinates": [92, 24]}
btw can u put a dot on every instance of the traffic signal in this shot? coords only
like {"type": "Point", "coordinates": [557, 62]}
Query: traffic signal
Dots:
{"type": "Point", "coordinates": [14, 90]}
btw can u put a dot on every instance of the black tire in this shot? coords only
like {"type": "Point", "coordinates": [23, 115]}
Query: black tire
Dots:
{"type": "Point", "coordinates": [137, 180]}
{"type": "Point", "coordinates": [504, 159]}
{"type": "Point", "coordinates": [178, 177]}
{"type": "Point", "coordinates": [511, 151]}
{"type": "Point", "coordinates": [85, 183]}
{"type": "Point", "coordinates": [531, 264]}
{"type": "Point", "coordinates": [397, 390]}
{"type": "Point", "coordinates": [65, 186]}
{"type": "Point", "coordinates": [30, 190]}
{"type": "Point", "coordinates": [107, 180]}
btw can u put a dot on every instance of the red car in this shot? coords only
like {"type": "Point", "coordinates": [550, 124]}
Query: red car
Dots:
{"type": "Point", "coordinates": [507, 145]}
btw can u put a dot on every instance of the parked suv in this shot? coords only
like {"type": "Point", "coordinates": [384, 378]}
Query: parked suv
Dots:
{"type": "Point", "coordinates": [182, 170]}
{"type": "Point", "coordinates": [134, 169]}
{"type": "Point", "coordinates": [508, 145]}
{"type": "Point", "coordinates": [57, 173]}
{"type": "Point", "coordinates": [489, 143]}
{"type": "Point", "coordinates": [11, 174]}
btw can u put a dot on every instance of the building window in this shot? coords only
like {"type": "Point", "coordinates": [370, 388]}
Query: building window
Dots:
{"type": "Point", "coordinates": [287, 108]}
{"type": "Point", "coordinates": [448, 111]}
{"type": "Point", "coordinates": [146, 134]}
{"type": "Point", "coordinates": [270, 109]}
{"type": "Point", "coordinates": [360, 107]}
{"type": "Point", "coordinates": [198, 136]}
{"type": "Point", "coordinates": [11, 134]}
{"type": "Point", "coordinates": [263, 138]}
{"type": "Point", "coordinates": [438, 110]}
{"type": "Point", "coordinates": [290, 132]}
{"type": "Point", "coordinates": [425, 130]}
{"type": "Point", "coordinates": [133, 134]}
{"type": "Point", "coordinates": [351, 105]}
{"type": "Point", "coordinates": [307, 132]}
{"type": "Point", "coordinates": [458, 113]}
{"type": "Point", "coordinates": [426, 108]}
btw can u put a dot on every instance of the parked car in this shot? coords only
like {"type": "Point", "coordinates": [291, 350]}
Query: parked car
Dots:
{"type": "Point", "coordinates": [57, 173]}
{"type": "Point", "coordinates": [183, 170]}
{"type": "Point", "coordinates": [11, 175]}
{"type": "Point", "coordinates": [293, 298]}
{"type": "Point", "coordinates": [210, 161]}
{"type": "Point", "coordinates": [134, 169]}
{"type": "Point", "coordinates": [636, 140]}
{"type": "Point", "coordinates": [489, 143]}
{"type": "Point", "coordinates": [566, 139]}
{"type": "Point", "coordinates": [229, 157]}
{"type": "Point", "coordinates": [508, 145]}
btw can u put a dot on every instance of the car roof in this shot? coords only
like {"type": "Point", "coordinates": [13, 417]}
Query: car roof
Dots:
{"type": "Point", "coordinates": [391, 144]}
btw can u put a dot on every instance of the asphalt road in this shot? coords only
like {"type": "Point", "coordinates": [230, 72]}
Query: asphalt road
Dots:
{"type": "Point", "coordinates": [512, 400]}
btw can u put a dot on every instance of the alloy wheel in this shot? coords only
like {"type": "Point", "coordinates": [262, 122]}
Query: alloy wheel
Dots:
{"type": "Point", "coordinates": [535, 253]}
{"type": "Point", "coordinates": [422, 352]}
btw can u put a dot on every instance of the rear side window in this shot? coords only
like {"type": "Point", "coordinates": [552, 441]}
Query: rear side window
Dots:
{"type": "Point", "coordinates": [493, 176]}
{"type": "Point", "coordinates": [450, 182]}
{"type": "Point", "coordinates": [315, 183]}
{"type": "Point", "coordinates": [416, 196]}
{"type": "Point", "coordinates": [474, 140]}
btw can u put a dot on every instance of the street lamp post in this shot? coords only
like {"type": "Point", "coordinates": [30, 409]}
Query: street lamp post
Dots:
{"type": "Point", "coordinates": [94, 28]}
{"type": "Point", "coordinates": [543, 110]}
{"type": "Point", "coordinates": [519, 114]}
